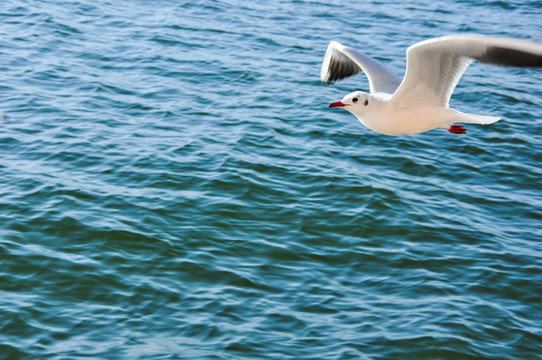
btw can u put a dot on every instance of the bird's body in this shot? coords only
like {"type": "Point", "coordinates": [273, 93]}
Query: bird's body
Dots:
{"type": "Point", "coordinates": [387, 117]}
{"type": "Point", "coordinates": [419, 102]}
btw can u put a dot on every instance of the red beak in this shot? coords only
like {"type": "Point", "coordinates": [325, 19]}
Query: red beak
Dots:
{"type": "Point", "coordinates": [336, 104]}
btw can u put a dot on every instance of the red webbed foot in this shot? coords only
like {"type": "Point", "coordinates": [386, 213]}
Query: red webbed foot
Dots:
{"type": "Point", "coordinates": [457, 129]}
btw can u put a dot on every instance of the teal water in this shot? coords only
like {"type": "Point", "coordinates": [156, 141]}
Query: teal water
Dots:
{"type": "Point", "coordinates": [173, 186]}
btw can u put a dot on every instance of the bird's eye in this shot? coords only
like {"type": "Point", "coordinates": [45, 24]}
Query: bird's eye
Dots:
{"type": "Point", "coordinates": [355, 100]}
{"type": "Point", "coordinates": [366, 102]}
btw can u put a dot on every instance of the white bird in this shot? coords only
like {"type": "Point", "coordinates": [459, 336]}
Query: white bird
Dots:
{"type": "Point", "coordinates": [419, 102]}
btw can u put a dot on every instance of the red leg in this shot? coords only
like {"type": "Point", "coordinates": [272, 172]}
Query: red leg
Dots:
{"type": "Point", "coordinates": [457, 129]}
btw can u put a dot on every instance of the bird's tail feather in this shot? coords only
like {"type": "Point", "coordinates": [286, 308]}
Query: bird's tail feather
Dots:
{"type": "Point", "coordinates": [475, 119]}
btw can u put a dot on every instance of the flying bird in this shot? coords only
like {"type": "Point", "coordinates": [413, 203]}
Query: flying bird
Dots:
{"type": "Point", "coordinates": [419, 102]}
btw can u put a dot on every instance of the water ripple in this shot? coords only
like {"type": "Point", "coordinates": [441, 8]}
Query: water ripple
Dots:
{"type": "Point", "coordinates": [173, 185]}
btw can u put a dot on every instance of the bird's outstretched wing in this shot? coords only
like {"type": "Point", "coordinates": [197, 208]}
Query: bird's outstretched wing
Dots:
{"type": "Point", "coordinates": [435, 66]}
{"type": "Point", "coordinates": [342, 61]}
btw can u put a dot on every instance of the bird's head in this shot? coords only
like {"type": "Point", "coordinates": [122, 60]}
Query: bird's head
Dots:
{"type": "Point", "coordinates": [357, 102]}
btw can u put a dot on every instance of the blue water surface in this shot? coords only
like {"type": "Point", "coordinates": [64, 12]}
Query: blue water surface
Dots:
{"type": "Point", "coordinates": [173, 186]}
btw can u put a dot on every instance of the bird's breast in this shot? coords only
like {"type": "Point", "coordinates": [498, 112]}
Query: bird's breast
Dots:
{"type": "Point", "coordinates": [391, 120]}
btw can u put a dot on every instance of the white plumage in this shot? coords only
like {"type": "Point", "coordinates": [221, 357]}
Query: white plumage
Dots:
{"type": "Point", "coordinates": [419, 101]}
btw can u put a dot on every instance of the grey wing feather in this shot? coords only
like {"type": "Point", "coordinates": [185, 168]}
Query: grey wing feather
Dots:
{"type": "Point", "coordinates": [341, 61]}
{"type": "Point", "coordinates": [435, 66]}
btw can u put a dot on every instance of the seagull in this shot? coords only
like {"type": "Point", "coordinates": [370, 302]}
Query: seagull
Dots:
{"type": "Point", "coordinates": [419, 102]}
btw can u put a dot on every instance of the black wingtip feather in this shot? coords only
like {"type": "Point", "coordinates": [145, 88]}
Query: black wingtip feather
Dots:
{"type": "Point", "coordinates": [340, 69]}
{"type": "Point", "coordinates": [510, 57]}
